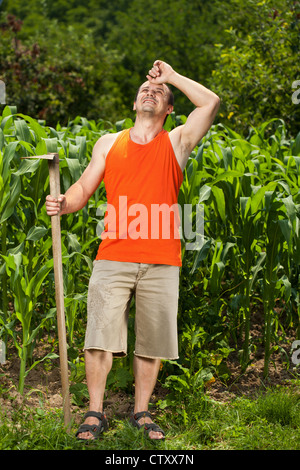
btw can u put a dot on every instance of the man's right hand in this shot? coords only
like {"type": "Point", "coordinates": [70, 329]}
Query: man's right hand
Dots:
{"type": "Point", "coordinates": [78, 194]}
{"type": "Point", "coordinates": [160, 73]}
{"type": "Point", "coordinates": [56, 206]}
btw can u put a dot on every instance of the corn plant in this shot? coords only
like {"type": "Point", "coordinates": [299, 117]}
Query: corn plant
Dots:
{"type": "Point", "coordinates": [10, 189]}
{"type": "Point", "coordinates": [248, 190]}
{"type": "Point", "coordinates": [26, 244]}
{"type": "Point", "coordinates": [235, 179]}
{"type": "Point", "coordinates": [27, 291]}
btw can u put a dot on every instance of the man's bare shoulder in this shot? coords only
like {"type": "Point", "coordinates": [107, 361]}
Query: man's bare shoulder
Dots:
{"type": "Point", "coordinates": [104, 144]}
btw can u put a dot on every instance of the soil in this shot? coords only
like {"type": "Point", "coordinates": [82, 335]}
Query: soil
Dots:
{"type": "Point", "coordinates": [43, 385]}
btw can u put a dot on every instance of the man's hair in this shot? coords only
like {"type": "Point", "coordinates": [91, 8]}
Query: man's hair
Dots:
{"type": "Point", "coordinates": [170, 97]}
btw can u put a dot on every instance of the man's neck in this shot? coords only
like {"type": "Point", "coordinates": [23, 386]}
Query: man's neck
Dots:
{"type": "Point", "coordinates": [145, 130]}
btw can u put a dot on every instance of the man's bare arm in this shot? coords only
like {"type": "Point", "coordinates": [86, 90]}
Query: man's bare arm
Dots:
{"type": "Point", "coordinates": [185, 138]}
{"type": "Point", "coordinates": [77, 196]}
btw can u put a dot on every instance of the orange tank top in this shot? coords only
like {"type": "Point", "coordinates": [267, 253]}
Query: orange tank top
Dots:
{"type": "Point", "coordinates": [142, 219]}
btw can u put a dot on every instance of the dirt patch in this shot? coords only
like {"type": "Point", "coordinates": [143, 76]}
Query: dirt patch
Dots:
{"type": "Point", "coordinates": [43, 389]}
{"type": "Point", "coordinates": [251, 381]}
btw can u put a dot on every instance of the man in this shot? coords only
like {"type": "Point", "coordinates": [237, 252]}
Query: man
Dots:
{"type": "Point", "coordinates": [142, 167]}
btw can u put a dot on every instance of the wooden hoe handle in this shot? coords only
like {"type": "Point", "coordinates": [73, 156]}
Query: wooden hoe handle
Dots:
{"type": "Point", "coordinates": [59, 288]}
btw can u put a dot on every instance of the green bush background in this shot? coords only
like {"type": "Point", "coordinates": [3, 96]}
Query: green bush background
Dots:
{"type": "Point", "coordinates": [63, 59]}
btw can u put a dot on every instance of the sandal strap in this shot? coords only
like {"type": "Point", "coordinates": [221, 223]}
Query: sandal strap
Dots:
{"type": "Point", "coordinates": [153, 427]}
{"type": "Point", "coordinates": [148, 427]}
{"type": "Point", "coordinates": [87, 427]}
{"type": "Point", "coordinates": [95, 414]}
{"type": "Point", "coordinates": [141, 414]}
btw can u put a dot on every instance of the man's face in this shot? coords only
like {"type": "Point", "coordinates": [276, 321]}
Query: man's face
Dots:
{"type": "Point", "coordinates": [153, 99]}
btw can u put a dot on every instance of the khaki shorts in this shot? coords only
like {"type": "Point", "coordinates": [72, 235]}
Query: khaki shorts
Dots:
{"type": "Point", "coordinates": [155, 288]}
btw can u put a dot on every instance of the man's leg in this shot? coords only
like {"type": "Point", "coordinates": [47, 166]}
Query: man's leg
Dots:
{"type": "Point", "coordinates": [146, 372]}
{"type": "Point", "coordinates": [156, 329]}
{"type": "Point", "coordinates": [97, 365]}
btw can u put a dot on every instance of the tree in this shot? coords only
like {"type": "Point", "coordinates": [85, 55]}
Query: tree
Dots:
{"type": "Point", "coordinates": [254, 75]}
{"type": "Point", "coordinates": [58, 74]}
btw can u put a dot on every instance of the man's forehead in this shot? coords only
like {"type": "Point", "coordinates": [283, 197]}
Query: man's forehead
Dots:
{"type": "Point", "coordinates": [153, 85]}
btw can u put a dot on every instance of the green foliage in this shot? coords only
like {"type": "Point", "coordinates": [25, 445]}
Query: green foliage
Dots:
{"type": "Point", "coordinates": [27, 284]}
{"type": "Point", "coordinates": [279, 406]}
{"type": "Point", "coordinates": [250, 247]}
{"type": "Point", "coordinates": [45, 78]}
{"type": "Point", "coordinates": [266, 422]}
{"type": "Point", "coordinates": [60, 61]}
{"type": "Point", "coordinates": [255, 73]}
{"type": "Point", "coordinates": [249, 191]}
{"type": "Point", "coordinates": [26, 264]}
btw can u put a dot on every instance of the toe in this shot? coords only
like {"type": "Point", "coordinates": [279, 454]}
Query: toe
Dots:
{"type": "Point", "coordinates": [85, 435]}
{"type": "Point", "coordinates": [155, 435]}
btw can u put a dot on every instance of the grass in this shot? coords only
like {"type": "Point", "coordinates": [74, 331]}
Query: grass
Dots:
{"type": "Point", "coordinates": [270, 421]}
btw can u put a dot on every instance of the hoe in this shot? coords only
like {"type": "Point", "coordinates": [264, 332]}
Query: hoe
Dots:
{"type": "Point", "coordinates": [53, 163]}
